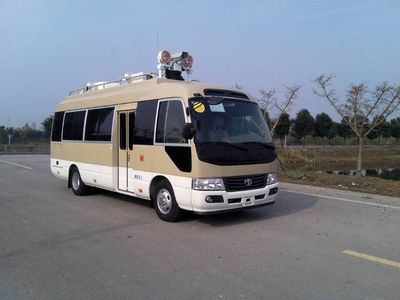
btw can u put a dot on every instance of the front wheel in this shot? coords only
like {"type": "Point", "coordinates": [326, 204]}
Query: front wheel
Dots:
{"type": "Point", "coordinates": [78, 186]}
{"type": "Point", "coordinates": [165, 203]}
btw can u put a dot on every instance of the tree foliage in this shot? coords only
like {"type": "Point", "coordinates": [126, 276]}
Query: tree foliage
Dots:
{"type": "Point", "coordinates": [47, 125]}
{"type": "Point", "coordinates": [303, 124]}
{"type": "Point", "coordinates": [283, 127]}
{"type": "Point", "coordinates": [323, 125]}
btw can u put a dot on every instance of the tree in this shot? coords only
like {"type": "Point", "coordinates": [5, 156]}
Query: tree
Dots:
{"type": "Point", "coordinates": [323, 125]}
{"type": "Point", "coordinates": [267, 118]}
{"type": "Point", "coordinates": [268, 100]}
{"type": "Point", "coordinates": [2, 134]}
{"type": "Point", "coordinates": [382, 130]}
{"type": "Point", "coordinates": [24, 131]}
{"type": "Point", "coordinates": [385, 130]}
{"type": "Point", "coordinates": [47, 125]}
{"type": "Point", "coordinates": [282, 129]}
{"type": "Point", "coordinates": [303, 124]}
{"type": "Point", "coordinates": [395, 128]}
{"type": "Point", "coordinates": [333, 131]}
{"type": "Point", "coordinates": [362, 109]}
{"type": "Point", "coordinates": [344, 130]}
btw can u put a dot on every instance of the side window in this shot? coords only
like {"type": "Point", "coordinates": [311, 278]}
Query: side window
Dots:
{"type": "Point", "coordinates": [73, 125]}
{"type": "Point", "coordinates": [122, 131]}
{"type": "Point", "coordinates": [171, 120]}
{"type": "Point", "coordinates": [57, 126]}
{"type": "Point", "coordinates": [144, 126]}
{"type": "Point", "coordinates": [131, 129]}
{"type": "Point", "coordinates": [162, 113]}
{"type": "Point", "coordinates": [99, 124]}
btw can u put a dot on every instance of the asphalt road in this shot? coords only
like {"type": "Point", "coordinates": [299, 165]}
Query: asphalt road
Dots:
{"type": "Point", "coordinates": [54, 245]}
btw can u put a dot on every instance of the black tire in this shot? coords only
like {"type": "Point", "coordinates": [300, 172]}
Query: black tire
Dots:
{"type": "Point", "coordinates": [78, 187]}
{"type": "Point", "coordinates": [165, 202]}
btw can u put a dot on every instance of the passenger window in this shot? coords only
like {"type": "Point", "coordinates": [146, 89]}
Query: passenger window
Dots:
{"type": "Point", "coordinates": [171, 120]}
{"type": "Point", "coordinates": [57, 126]}
{"type": "Point", "coordinates": [144, 127]}
{"type": "Point", "coordinates": [162, 111]}
{"type": "Point", "coordinates": [73, 125]}
{"type": "Point", "coordinates": [122, 131]}
{"type": "Point", "coordinates": [99, 124]}
{"type": "Point", "coordinates": [131, 129]}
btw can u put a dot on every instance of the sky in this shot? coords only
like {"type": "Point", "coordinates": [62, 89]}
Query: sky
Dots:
{"type": "Point", "coordinates": [48, 48]}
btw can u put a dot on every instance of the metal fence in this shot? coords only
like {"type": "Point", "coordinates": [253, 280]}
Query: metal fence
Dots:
{"type": "Point", "coordinates": [25, 149]}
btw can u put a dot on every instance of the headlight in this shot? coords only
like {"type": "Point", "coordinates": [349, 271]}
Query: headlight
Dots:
{"type": "Point", "coordinates": [272, 178]}
{"type": "Point", "coordinates": [208, 184]}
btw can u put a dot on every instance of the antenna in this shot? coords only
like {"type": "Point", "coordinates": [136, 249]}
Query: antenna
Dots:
{"type": "Point", "coordinates": [157, 36]}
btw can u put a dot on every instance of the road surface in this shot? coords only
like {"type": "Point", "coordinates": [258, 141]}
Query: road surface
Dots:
{"type": "Point", "coordinates": [314, 243]}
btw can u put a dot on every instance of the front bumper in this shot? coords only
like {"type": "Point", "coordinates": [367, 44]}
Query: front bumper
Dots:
{"type": "Point", "coordinates": [234, 200]}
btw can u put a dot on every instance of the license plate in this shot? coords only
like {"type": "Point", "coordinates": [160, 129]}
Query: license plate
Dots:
{"type": "Point", "coordinates": [247, 201]}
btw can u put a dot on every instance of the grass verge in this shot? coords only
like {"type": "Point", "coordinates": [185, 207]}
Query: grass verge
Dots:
{"type": "Point", "coordinates": [307, 166]}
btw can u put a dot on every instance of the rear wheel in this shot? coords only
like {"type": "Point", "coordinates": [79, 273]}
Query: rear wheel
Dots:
{"type": "Point", "coordinates": [78, 186]}
{"type": "Point", "coordinates": [165, 203]}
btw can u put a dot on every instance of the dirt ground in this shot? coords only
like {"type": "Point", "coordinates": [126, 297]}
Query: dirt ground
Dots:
{"type": "Point", "coordinates": [308, 166]}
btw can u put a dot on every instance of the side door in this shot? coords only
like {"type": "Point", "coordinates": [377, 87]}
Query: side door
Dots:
{"type": "Point", "coordinates": [126, 128]}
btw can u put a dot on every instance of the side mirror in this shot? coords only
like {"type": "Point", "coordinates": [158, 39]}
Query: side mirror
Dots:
{"type": "Point", "coordinates": [189, 131]}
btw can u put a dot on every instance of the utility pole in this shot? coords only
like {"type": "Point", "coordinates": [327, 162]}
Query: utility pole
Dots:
{"type": "Point", "coordinates": [9, 133]}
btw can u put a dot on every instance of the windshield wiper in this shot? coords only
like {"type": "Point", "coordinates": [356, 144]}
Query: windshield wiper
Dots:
{"type": "Point", "coordinates": [265, 145]}
{"type": "Point", "coordinates": [228, 145]}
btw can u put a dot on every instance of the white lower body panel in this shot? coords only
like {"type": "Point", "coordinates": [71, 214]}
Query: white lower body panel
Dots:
{"type": "Point", "coordinates": [244, 199]}
{"type": "Point", "coordinates": [139, 183]}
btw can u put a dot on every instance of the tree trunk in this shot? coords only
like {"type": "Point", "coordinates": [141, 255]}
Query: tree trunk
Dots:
{"type": "Point", "coordinates": [359, 158]}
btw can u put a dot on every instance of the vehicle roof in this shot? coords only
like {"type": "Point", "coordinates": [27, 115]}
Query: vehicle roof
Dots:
{"type": "Point", "coordinates": [156, 88]}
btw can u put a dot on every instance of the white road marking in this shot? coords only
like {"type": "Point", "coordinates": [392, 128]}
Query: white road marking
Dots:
{"type": "Point", "coordinates": [343, 199]}
{"type": "Point", "coordinates": [15, 164]}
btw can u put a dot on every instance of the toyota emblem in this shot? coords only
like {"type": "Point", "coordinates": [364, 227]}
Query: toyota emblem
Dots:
{"type": "Point", "coordinates": [248, 182]}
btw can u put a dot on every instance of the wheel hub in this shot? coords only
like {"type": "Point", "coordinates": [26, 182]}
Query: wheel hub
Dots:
{"type": "Point", "coordinates": [75, 181]}
{"type": "Point", "coordinates": [164, 201]}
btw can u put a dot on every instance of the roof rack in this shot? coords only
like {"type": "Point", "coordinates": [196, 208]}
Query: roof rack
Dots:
{"type": "Point", "coordinates": [126, 79]}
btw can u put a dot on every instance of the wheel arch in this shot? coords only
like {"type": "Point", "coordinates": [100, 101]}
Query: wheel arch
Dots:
{"type": "Point", "coordinates": [71, 167]}
{"type": "Point", "coordinates": [153, 185]}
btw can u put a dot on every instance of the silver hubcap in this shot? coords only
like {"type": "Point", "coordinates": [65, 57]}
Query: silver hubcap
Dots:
{"type": "Point", "coordinates": [75, 181]}
{"type": "Point", "coordinates": [164, 201]}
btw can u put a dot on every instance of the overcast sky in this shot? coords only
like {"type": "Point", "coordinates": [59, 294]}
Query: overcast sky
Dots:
{"type": "Point", "coordinates": [48, 48]}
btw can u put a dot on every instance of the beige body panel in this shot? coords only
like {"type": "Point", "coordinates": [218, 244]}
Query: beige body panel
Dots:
{"type": "Point", "coordinates": [154, 159]}
{"type": "Point", "coordinates": [156, 88]}
{"type": "Point", "coordinates": [92, 153]}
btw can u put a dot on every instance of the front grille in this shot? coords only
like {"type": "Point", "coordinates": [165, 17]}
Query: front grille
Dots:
{"type": "Point", "coordinates": [241, 183]}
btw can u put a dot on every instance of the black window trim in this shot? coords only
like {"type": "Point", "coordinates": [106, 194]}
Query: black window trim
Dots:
{"type": "Point", "coordinates": [156, 120]}
{"type": "Point", "coordinates": [112, 125]}
{"type": "Point", "coordinates": [62, 127]}
{"type": "Point", "coordinates": [84, 126]}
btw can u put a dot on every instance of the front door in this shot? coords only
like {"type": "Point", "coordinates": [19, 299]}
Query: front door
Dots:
{"type": "Point", "coordinates": [126, 127]}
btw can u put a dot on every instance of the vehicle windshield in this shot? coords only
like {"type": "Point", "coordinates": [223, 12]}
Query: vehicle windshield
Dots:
{"type": "Point", "coordinates": [230, 131]}
{"type": "Point", "coordinates": [229, 121]}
